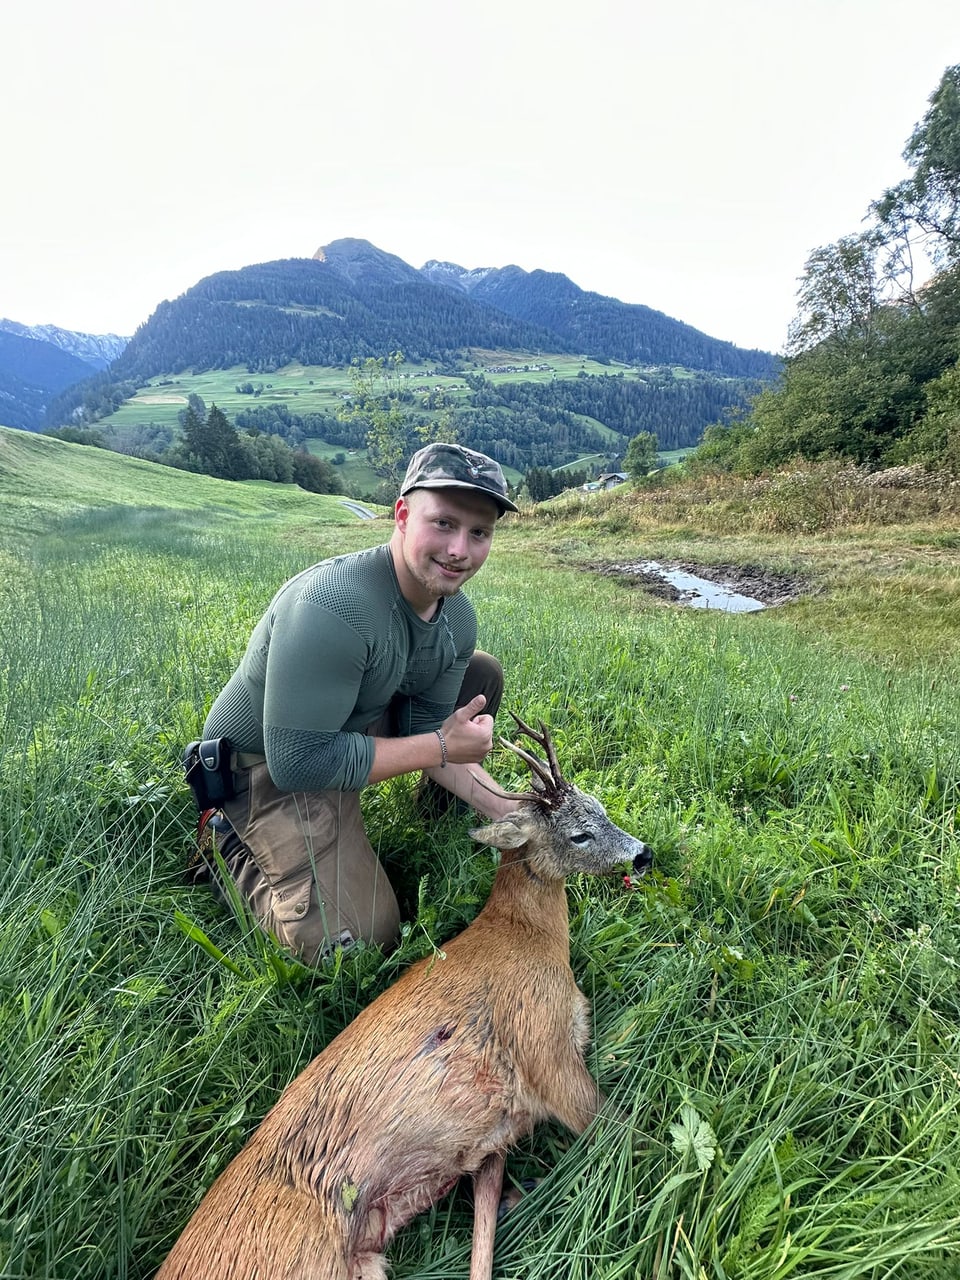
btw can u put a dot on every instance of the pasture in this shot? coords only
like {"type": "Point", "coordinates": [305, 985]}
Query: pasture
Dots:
{"type": "Point", "coordinates": [307, 389]}
{"type": "Point", "coordinates": [776, 1008]}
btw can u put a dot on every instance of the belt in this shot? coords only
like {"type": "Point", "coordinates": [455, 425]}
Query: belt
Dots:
{"type": "Point", "coordinates": [247, 759]}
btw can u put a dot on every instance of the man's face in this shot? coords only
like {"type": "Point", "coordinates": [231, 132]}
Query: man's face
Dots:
{"type": "Point", "coordinates": [444, 537]}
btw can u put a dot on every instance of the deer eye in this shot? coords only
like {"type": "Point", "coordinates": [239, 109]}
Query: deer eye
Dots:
{"type": "Point", "coordinates": [581, 837]}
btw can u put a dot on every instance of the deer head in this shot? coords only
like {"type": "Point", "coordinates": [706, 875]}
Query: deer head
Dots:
{"type": "Point", "coordinates": [562, 829]}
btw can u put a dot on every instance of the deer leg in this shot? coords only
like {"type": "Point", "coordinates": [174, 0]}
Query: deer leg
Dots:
{"type": "Point", "coordinates": [576, 1098]}
{"type": "Point", "coordinates": [487, 1185]}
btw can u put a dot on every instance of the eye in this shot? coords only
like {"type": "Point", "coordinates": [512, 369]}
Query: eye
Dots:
{"type": "Point", "coordinates": [581, 838]}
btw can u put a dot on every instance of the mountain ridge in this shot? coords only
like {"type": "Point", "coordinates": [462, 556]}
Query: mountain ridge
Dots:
{"type": "Point", "coordinates": [352, 300]}
{"type": "Point", "coordinates": [95, 349]}
{"type": "Point", "coordinates": [32, 373]}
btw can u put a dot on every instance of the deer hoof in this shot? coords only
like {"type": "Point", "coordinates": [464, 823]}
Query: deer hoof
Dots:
{"type": "Point", "coordinates": [511, 1198]}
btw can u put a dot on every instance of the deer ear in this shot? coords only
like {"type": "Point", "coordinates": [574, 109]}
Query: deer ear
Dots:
{"type": "Point", "coordinates": [501, 835]}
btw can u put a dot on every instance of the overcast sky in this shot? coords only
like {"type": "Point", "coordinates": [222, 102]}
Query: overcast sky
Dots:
{"type": "Point", "coordinates": [686, 155]}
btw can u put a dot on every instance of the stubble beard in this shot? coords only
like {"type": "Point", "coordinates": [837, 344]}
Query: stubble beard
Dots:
{"type": "Point", "coordinates": [432, 581]}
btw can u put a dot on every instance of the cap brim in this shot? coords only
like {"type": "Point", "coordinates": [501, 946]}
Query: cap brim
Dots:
{"type": "Point", "coordinates": [503, 503]}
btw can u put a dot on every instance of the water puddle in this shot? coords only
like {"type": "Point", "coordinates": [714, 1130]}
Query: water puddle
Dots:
{"type": "Point", "coordinates": [691, 590]}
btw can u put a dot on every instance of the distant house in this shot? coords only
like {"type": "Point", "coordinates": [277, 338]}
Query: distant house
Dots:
{"type": "Point", "coordinates": [611, 478]}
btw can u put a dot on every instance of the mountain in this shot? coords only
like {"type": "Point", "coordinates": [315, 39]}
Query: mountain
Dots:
{"type": "Point", "coordinates": [353, 300]}
{"type": "Point", "coordinates": [321, 312]}
{"type": "Point", "coordinates": [39, 361]}
{"type": "Point", "coordinates": [32, 373]}
{"type": "Point", "coordinates": [595, 324]}
{"type": "Point", "coordinates": [95, 349]}
{"type": "Point", "coordinates": [361, 263]}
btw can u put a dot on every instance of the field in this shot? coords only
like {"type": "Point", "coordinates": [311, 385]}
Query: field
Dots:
{"type": "Point", "coordinates": [776, 1008]}
{"type": "Point", "coordinates": [318, 389]}
{"type": "Point", "coordinates": [306, 389]}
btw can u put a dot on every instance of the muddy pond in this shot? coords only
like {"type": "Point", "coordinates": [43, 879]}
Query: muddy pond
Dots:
{"type": "Point", "coordinates": [727, 587]}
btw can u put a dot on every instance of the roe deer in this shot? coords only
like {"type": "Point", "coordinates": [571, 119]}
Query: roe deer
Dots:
{"type": "Point", "coordinates": [453, 1063]}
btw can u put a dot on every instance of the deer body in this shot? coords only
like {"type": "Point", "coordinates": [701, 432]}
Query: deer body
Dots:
{"type": "Point", "coordinates": [435, 1079]}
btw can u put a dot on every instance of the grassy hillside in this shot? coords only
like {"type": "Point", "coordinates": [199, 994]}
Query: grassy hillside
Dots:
{"type": "Point", "coordinates": [316, 389]}
{"type": "Point", "coordinates": [776, 1011]}
{"type": "Point", "coordinates": [42, 480]}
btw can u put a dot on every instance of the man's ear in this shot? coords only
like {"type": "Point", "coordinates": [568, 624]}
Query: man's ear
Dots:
{"type": "Point", "coordinates": [401, 513]}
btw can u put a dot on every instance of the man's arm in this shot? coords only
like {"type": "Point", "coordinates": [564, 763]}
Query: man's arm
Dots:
{"type": "Point", "coordinates": [467, 781]}
{"type": "Point", "coordinates": [468, 738]}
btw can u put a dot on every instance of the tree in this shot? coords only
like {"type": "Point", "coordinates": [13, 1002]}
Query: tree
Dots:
{"type": "Point", "coordinates": [391, 436]}
{"type": "Point", "coordinates": [212, 447]}
{"type": "Point", "coordinates": [316, 475]}
{"type": "Point", "coordinates": [839, 293]}
{"type": "Point", "coordinates": [225, 457]}
{"type": "Point", "coordinates": [930, 198]}
{"type": "Point", "coordinates": [641, 456]}
{"type": "Point", "coordinates": [193, 447]}
{"type": "Point", "coordinates": [935, 440]}
{"type": "Point", "coordinates": [376, 399]}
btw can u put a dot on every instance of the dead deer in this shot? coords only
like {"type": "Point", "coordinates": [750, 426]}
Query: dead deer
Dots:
{"type": "Point", "coordinates": [454, 1062]}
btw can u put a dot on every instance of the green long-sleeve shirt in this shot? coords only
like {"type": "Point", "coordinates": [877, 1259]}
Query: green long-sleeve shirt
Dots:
{"type": "Point", "coordinates": [337, 644]}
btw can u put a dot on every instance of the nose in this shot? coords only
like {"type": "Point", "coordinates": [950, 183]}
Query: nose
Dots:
{"type": "Point", "coordinates": [458, 547]}
{"type": "Point", "coordinates": [643, 860]}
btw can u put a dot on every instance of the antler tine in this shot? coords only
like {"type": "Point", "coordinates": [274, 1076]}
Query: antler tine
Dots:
{"type": "Point", "coordinates": [544, 740]}
{"type": "Point", "coordinates": [499, 791]}
{"type": "Point", "coordinates": [536, 766]}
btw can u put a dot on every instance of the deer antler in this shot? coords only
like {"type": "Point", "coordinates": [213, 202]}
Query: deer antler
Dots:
{"type": "Point", "coordinates": [499, 791]}
{"type": "Point", "coordinates": [553, 782]}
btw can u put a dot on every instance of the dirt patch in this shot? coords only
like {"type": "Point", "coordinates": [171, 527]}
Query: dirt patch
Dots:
{"type": "Point", "coordinates": [770, 586]}
{"type": "Point", "coordinates": [161, 399]}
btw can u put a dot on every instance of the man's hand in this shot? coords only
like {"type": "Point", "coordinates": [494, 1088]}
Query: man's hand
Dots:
{"type": "Point", "coordinates": [468, 734]}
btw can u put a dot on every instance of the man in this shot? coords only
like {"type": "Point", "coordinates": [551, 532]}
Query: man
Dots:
{"type": "Point", "coordinates": [362, 668]}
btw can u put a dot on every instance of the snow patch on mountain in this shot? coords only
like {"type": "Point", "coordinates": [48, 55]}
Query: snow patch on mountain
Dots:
{"type": "Point", "coordinates": [95, 349]}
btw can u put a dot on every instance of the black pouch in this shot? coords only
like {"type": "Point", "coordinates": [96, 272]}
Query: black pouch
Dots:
{"type": "Point", "coordinates": [209, 775]}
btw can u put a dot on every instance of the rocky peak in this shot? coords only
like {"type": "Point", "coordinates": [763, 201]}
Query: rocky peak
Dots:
{"type": "Point", "coordinates": [463, 278]}
{"type": "Point", "coordinates": [360, 262]}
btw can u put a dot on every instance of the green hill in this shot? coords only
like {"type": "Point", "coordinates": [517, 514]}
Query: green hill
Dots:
{"type": "Point", "coordinates": [42, 479]}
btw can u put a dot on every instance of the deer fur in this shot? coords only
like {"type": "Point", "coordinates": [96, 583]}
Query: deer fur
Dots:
{"type": "Point", "coordinates": [453, 1063]}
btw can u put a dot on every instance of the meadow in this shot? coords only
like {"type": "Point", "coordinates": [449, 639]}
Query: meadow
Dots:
{"type": "Point", "coordinates": [321, 389]}
{"type": "Point", "coordinates": [776, 1007]}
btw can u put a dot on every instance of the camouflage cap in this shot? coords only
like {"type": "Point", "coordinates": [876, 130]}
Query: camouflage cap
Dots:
{"type": "Point", "coordinates": [451, 466]}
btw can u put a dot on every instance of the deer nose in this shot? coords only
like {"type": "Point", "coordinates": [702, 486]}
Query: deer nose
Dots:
{"type": "Point", "coordinates": [643, 861]}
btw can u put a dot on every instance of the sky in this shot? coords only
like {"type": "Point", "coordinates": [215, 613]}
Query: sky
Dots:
{"type": "Point", "coordinates": [688, 155]}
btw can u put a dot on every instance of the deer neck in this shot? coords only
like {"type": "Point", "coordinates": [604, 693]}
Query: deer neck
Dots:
{"type": "Point", "coordinates": [526, 900]}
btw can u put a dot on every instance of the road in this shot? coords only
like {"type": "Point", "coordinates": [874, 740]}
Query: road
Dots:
{"type": "Point", "coordinates": [362, 512]}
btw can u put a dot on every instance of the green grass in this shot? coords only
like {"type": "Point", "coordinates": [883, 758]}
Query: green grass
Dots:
{"type": "Point", "coordinates": [42, 480]}
{"type": "Point", "coordinates": [308, 389]}
{"type": "Point", "coordinates": [776, 1010]}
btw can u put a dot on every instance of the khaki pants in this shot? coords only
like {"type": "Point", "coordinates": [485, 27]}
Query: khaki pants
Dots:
{"type": "Point", "coordinates": [306, 867]}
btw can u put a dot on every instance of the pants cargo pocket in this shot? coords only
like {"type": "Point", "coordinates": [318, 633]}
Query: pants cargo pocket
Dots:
{"type": "Point", "coordinates": [320, 884]}
{"type": "Point", "coordinates": [291, 900]}
{"type": "Point", "coordinates": [300, 922]}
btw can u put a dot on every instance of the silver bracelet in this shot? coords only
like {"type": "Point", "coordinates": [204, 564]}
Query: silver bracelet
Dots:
{"type": "Point", "coordinates": [443, 748]}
